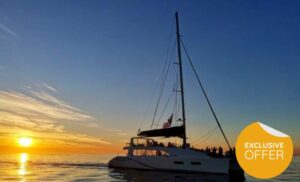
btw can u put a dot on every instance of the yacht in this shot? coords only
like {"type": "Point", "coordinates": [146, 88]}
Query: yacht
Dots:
{"type": "Point", "coordinates": [144, 152]}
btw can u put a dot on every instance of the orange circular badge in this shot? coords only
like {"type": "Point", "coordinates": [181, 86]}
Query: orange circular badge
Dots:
{"type": "Point", "coordinates": [262, 151]}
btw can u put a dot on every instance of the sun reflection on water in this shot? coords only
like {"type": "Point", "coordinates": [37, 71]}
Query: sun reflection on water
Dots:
{"type": "Point", "coordinates": [23, 161]}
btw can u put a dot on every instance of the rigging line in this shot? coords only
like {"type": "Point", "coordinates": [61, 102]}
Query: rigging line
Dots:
{"type": "Point", "coordinates": [163, 73]}
{"type": "Point", "coordinates": [157, 103]}
{"type": "Point", "coordinates": [205, 95]}
{"type": "Point", "coordinates": [175, 89]}
{"type": "Point", "coordinates": [202, 141]}
{"type": "Point", "coordinates": [165, 106]}
{"type": "Point", "coordinates": [178, 100]}
{"type": "Point", "coordinates": [163, 83]}
{"type": "Point", "coordinates": [175, 101]}
{"type": "Point", "coordinates": [189, 126]}
{"type": "Point", "coordinates": [170, 39]}
{"type": "Point", "coordinates": [209, 134]}
{"type": "Point", "coordinates": [147, 110]}
{"type": "Point", "coordinates": [148, 106]}
{"type": "Point", "coordinates": [178, 107]}
{"type": "Point", "coordinates": [211, 131]}
{"type": "Point", "coordinates": [179, 121]}
{"type": "Point", "coordinates": [170, 96]}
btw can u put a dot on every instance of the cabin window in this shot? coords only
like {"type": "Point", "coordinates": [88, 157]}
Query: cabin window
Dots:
{"type": "Point", "coordinates": [162, 153]}
{"type": "Point", "coordinates": [137, 152]}
{"type": "Point", "coordinates": [149, 152]}
{"type": "Point", "coordinates": [178, 162]}
{"type": "Point", "coordinates": [196, 163]}
{"type": "Point", "coordinates": [142, 142]}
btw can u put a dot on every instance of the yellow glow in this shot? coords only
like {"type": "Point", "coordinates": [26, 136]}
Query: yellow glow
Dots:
{"type": "Point", "coordinates": [23, 157]}
{"type": "Point", "coordinates": [25, 141]}
{"type": "Point", "coordinates": [23, 160]}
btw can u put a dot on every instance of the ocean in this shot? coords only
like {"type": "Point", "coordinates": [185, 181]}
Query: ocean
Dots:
{"type": "Point", "coordinates": [25, 167]}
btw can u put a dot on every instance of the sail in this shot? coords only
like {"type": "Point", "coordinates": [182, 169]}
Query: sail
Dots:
{"type": "Point", "coordinates": [175, 131]}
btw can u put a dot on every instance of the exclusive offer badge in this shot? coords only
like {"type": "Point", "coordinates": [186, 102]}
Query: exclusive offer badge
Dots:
{"type": "Point", "coordinates": [262, 151]}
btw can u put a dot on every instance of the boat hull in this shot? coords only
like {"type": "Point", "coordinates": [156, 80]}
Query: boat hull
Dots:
{"type": "Point", "coordinates": [173, 163]}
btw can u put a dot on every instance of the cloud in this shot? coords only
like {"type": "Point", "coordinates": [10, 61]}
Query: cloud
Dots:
{"type": "Point", "coordinates": [44, 114]}
{"type": "Point", "coordinates": [49, 87]}
{"type": "Point", "coordinates": [42, 105]}
{"type": "Point", "coordinates": [45, 97]}
{"type": "Point", "coordinates": [71, 138]}
{"type": "Point", "coordinates": [92, 125]}
{"type": "Point", "coordinates": [8, 30]}
{"type": "Point", "coordinates": [34, 124]}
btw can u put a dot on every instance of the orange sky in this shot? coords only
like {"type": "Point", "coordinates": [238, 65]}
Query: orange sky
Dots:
{"type": "Point", "coordinates": [56, 126]}
{"type": "Point", "coordinates": [52, 124]}
{"type": "Point", "coordinates": [12, 146]}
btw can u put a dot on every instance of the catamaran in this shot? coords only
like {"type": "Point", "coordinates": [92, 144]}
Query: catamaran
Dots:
{"type": "Point", "coordinates": [145, 153]}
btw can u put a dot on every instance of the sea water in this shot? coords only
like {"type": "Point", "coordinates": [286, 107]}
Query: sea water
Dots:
{"type": "Point", "coordinates": [26, 167]}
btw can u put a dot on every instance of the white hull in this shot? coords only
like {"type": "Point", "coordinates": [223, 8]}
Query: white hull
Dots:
{"type": "Point", "coordinates": [144, 154]}
{"type": "Point", "coordinates": [203, 164]}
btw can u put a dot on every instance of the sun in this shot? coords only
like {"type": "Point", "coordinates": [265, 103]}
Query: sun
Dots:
{"type": "Point", "coordinates": [25, 141]}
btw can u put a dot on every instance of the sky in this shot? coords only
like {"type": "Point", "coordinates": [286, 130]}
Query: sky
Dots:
{"type": "Point", "coordinates": [80, 75]}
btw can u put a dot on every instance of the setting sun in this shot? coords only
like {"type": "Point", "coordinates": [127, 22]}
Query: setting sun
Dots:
{"type": "Point", "coordinates": [25, 141]}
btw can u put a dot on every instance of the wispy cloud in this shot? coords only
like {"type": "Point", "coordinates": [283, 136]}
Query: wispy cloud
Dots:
{"type": "Point", "coordinates": [7, 30]}
{"type": "Point", "coordinates": [37, 106]}
{"type": "Point", "coordinates": [41, 112]}
{"type": "Point", "coordinates": [92, 125]}
{"type": "Point", "coordinates": [49, 87]}
{"type": "Point", "coordinates": [73, 138]}
{"type": "Point", "coordinates": [50, 99]}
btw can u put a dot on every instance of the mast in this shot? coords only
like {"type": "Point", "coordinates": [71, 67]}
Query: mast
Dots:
{"type": "Point", "coordinates": [181, 79]}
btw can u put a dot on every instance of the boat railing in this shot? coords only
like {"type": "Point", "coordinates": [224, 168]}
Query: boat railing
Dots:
{"type": "Point", "coordinates": [153, 144]}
